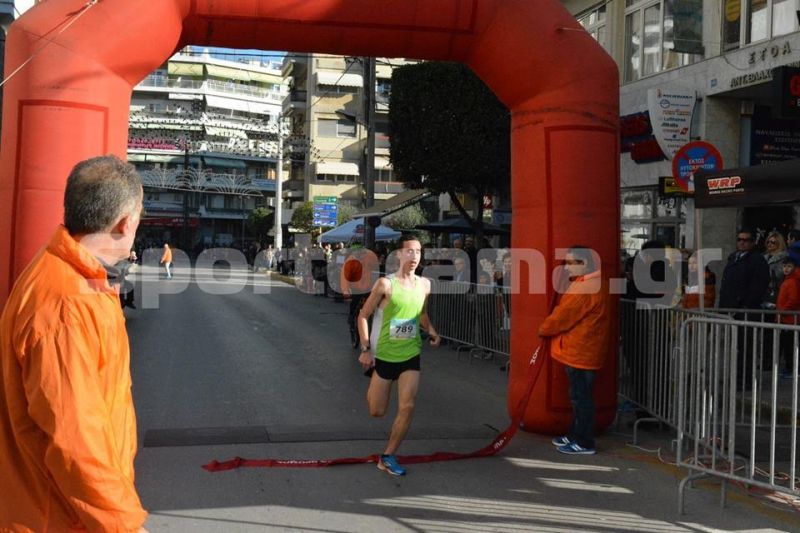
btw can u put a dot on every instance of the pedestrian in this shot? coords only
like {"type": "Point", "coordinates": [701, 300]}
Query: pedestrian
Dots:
{"type": "Point", "coordinates": [356, 280]}
{"type": "Point", "coordinates": [67, 424]}
{"type": "Point", "coordinates": [126, 287]}
{"type": "Point", "coordinates": [789, 300]}
{"type": "Point", "coordinates": [578, 330]}
{"type": "Point", "coordinates": [774, 256]}
{"type": "Point", "coordinates": [695, 295]}
{"type": "Point", "coordinates": [399, 304]}
{"type": "Point", "coordinates": [166, 260]}
{"type": "Point", "coordinates": [746, 275]}
{"type": "Point", "coordinates": [744, 283]}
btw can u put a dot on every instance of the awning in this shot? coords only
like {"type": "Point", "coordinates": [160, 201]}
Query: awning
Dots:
{"type": "Point", "coordinates": [262, 77]}
{"type": "Point", "coordinates": [222, 162]}
{"type": "Point", "coordinates": [225, 132]}
{"type": "Point", "coordinates": [227, 103]}
{"type": "Point", "coordinates": [227, 73]}
{"type": "Point", "coordinates": [348, 169]}
{"type": "Point", "coordinates": [395, 203]}
{"type": "Point", "coordinates": [337, 78]}
{"type": "Point", "coordinates": [135, 158]}
{"type": "Point", "coordinates": [766, 184]}
{"type": "Point", "coordinates": [185, 69]}
{"type": "Point", "coordinates": [239, 105]}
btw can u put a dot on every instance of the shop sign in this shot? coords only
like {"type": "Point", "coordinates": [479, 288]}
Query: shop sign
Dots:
{"type": "Point", "coordinates": [671, 110]}
{"type": "Point", "coordinates": [668, 188]}
{"type": "Point", "coordinates": [694, 156]}
{"type": "Point", "coordinates": [774, 140]}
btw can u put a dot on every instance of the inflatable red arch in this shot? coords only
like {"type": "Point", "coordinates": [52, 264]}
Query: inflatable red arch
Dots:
{"type": "Point", "coordinates": [71, 102]}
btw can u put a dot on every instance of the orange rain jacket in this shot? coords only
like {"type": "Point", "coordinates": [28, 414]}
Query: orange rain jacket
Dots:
{"type": "Point", "coordinates": [67, 425]}
{"type": "Point", "coordinates": [581, 324]}
{"type": "Point", "coordinates": [166, 257]}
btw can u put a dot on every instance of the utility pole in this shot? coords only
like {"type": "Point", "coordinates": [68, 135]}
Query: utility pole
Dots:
{"type": "Point", "coordinates": [369, 168]}
{"type": "Point", "coordinates": [279, 192]}
{"type": "Point", "coordinates": [185, 229]}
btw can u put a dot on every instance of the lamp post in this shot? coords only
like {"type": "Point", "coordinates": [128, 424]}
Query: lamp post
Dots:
{"type": "Point", "coordinates": [369, 171]}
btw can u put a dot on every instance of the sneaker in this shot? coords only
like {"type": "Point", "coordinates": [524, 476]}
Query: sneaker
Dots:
{"type": "Point", "coordinates": [560, 441]}
{"type": "Point", "coordinates": [388, 463]}
{"type": "Point", "coordinates": [573, 448]}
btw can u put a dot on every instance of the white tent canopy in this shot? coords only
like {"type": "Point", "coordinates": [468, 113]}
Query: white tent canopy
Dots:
{"type": "Point", "coordinates": [354, 231]}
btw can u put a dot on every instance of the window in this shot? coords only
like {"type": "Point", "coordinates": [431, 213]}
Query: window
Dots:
{"type": "Point", "coordinates": [594, 22]}
{"type": "Point", "coordinates": [384, 174]}
{"type": "Point", "coordinates": [764, 19]}
{"type": "Point", "coordinates": [337, 178]}
{"type": "Point", "coordinates": [336, 128]}
{"type": "Point", "coordinates": [661, 35]}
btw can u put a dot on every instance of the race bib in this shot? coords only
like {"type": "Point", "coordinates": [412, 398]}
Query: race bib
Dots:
{"type": "Point", "coordinates": [400, 329]}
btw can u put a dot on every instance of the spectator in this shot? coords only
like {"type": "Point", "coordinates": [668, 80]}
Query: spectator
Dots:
{"type": "Point", "coordinates": [774, 256]}
{"type": "Point", "coordinates": [579, 332]}
{"type": "Point", "coordinates": [793, 238]}
{"type": "Point", "coordinates": [746, 275]}
{"type": "Point", "coordinates": [744, 283]}
{"type": "Point", "coordinates": [67, 423]}
{"type": "Point", "coordinates": [166, 260]}
{"type": "Point", "coordinates": [694, 295]}
{"type": "Point", "coordinates": [789, 300]}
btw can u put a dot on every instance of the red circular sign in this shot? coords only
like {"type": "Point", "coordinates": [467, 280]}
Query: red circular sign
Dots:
{"type": "Point", "coordinates": [691, 157]}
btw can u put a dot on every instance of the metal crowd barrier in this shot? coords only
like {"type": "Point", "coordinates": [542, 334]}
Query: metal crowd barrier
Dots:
{"type": "Point", "coordinates": [478, 317]}
{"type": "Point", "coordinates": [649, 342]}
{"type": "Point", "coordinates": [732, 422]}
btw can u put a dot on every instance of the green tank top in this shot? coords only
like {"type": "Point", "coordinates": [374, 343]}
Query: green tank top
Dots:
{"type": "Point", "coordinates": [395, 328]}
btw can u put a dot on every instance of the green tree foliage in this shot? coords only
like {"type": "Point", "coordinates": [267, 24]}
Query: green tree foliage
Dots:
{"type": "Point", "coordinates": [260, 221]}
{"type": "Point", "coordinates": [344, 213]}
{"type": "Point", "coordinates": [449, 133]}
{"type": "Point", "coordinates": [303, 217]}
{"type": "Point", "coordinates": [406, 219]}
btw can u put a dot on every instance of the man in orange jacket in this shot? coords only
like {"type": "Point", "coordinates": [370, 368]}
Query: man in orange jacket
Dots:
{"type": "Point", "coordinates": [579, 329]}
{"type": "Point", "coordinates": [67, 424]}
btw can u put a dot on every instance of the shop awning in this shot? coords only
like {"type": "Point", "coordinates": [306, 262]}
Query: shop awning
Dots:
{"type": "Point", "coordinates": [185, 69]}
{"type": "Point", "coordinates": [347, 169]}
{"type": "Point", "coordinates": [337, 78]}
{"type": "Point", "coordinates": [766, 184]}
{"type": "Point", "coordinates": [222, 162]}
{"type": "Point", "coordinates": [227, 73]}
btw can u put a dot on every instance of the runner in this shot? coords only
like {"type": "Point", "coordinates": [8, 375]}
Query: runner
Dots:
{"type": "Point", "coordinates": [399, 302]}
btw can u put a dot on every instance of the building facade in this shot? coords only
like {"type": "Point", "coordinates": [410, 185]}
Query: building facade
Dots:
{"type": "Point", "coordinates": [730, 58]}
{"type": "Point", "coordinates": [326, 113]}
{"type": "Point", "coordinates": [203, 133]}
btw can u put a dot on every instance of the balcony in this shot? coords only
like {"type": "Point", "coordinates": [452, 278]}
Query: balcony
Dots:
{"type": "Point", "coordinates": [215, 86]}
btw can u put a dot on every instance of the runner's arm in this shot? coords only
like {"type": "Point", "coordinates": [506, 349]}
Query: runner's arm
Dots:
{"type": "Point", "coordinates": [379, 290]}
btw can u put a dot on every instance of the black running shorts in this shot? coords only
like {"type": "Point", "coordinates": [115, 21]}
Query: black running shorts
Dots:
{"type": "Point", "coordinates": [392, 371]}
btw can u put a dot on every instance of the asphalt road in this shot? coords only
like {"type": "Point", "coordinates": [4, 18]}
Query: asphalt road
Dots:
{"type": "Point", "coordinates": [266, 372]}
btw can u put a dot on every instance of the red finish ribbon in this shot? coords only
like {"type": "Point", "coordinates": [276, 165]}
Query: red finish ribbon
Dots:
{"type": "Point", "coordinates": [499, 442]}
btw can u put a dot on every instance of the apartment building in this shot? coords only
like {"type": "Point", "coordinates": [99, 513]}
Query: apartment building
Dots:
{"type": "Point", "coordinates": [203, 134]}
{"type": "Point", "coordinates": [326, 113]}
{"type": "Point", "coordinates": [733, 60]}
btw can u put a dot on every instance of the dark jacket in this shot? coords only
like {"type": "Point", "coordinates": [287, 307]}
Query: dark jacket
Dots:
{"type": "Point", "coordinates": [744, 282]}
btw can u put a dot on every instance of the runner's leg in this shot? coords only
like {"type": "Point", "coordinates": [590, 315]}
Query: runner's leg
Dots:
{"type": "Point", "coordinates": [407, 387]}
{"type": "Point", "coordinates": [378, 395]}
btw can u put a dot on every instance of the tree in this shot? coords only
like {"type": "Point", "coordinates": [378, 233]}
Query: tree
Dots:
{"type": "Point", "coordinates": [344, 213]}
{"type": "Point", "coordinates": [449, 134]}
{"type": "Point", "coordinates": [408, 219]}
{"type": "Point", "coordinates": [260, 222]}
{"type": "Point", "coordinates": [303, 217]}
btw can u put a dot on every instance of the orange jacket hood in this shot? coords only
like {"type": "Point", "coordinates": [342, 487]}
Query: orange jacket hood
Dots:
{"type": "Point", "coordinates": [67, 425]}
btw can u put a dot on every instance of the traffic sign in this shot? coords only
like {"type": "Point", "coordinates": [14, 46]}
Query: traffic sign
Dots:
{"type": "Point", "coordinates": [691, 157]}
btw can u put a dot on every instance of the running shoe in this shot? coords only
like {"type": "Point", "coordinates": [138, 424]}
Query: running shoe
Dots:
{"type": "Point", "coordinates": [573, 448]}
{"type": "Point", "coordinates": [388, 463]}
{"type": "Point", "coordinates": [560, 441]}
